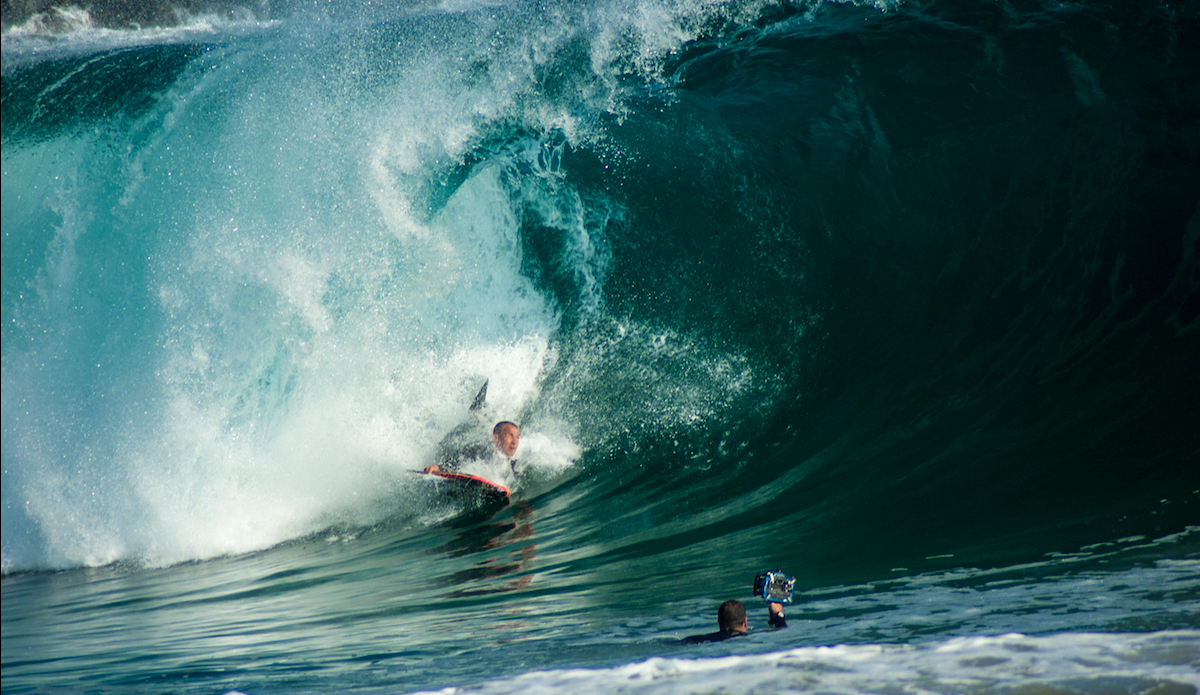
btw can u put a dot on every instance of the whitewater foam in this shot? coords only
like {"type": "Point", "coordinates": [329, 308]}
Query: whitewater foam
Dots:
{"type": "Point", "coordinates": [1077, 663]}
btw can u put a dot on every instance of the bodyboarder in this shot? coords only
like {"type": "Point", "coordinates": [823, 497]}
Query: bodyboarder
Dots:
{"type": "Point", "coordinates": [506, 437]}
{"type": "Point", "coordinates": [467, 449]}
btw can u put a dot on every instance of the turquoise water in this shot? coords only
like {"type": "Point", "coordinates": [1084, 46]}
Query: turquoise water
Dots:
{"type": "Point", "coordinates": [901, 297]}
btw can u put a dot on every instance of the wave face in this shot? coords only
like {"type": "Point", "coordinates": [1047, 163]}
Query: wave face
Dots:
{"type": "Point", "coordinates": [868, 290]}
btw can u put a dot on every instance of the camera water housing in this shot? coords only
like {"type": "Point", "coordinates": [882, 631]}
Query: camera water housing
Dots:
{"type": "Point", "coordinates": [774, 586]}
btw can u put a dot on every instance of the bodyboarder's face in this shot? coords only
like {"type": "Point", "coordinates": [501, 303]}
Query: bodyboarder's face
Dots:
{"type": "Point", "coordinates": [507, 440]}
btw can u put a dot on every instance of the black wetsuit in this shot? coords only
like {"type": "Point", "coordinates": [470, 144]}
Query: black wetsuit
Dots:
{"type": "Point", "coordinates": [452, 459]}
{"type": "Point", "coordinates": [777, 622]}
{"type": "Point", "coordinates": [712, 637]}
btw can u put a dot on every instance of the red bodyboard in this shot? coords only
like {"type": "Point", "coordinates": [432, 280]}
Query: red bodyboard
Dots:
{"type": "Point", "coordinates": [474, 482]}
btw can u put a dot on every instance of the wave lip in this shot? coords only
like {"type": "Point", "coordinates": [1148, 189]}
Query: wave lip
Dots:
{"type": "Point", "coordinates": [50, 19]}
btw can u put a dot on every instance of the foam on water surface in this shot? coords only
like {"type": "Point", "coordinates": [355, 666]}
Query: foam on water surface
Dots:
{"type": "Point", "coordinates": [1095, 664]}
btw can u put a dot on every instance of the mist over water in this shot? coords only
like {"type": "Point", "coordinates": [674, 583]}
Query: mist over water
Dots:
{"type": "Point", "coordinates": [902, 297]}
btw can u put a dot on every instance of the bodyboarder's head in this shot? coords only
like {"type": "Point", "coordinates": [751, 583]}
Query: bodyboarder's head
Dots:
{"type": "Point", "coordinates": [506, 436]}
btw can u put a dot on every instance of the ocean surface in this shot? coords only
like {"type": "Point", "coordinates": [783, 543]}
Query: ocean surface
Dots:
{"type": "Point", "coordinates": [902, 297]}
